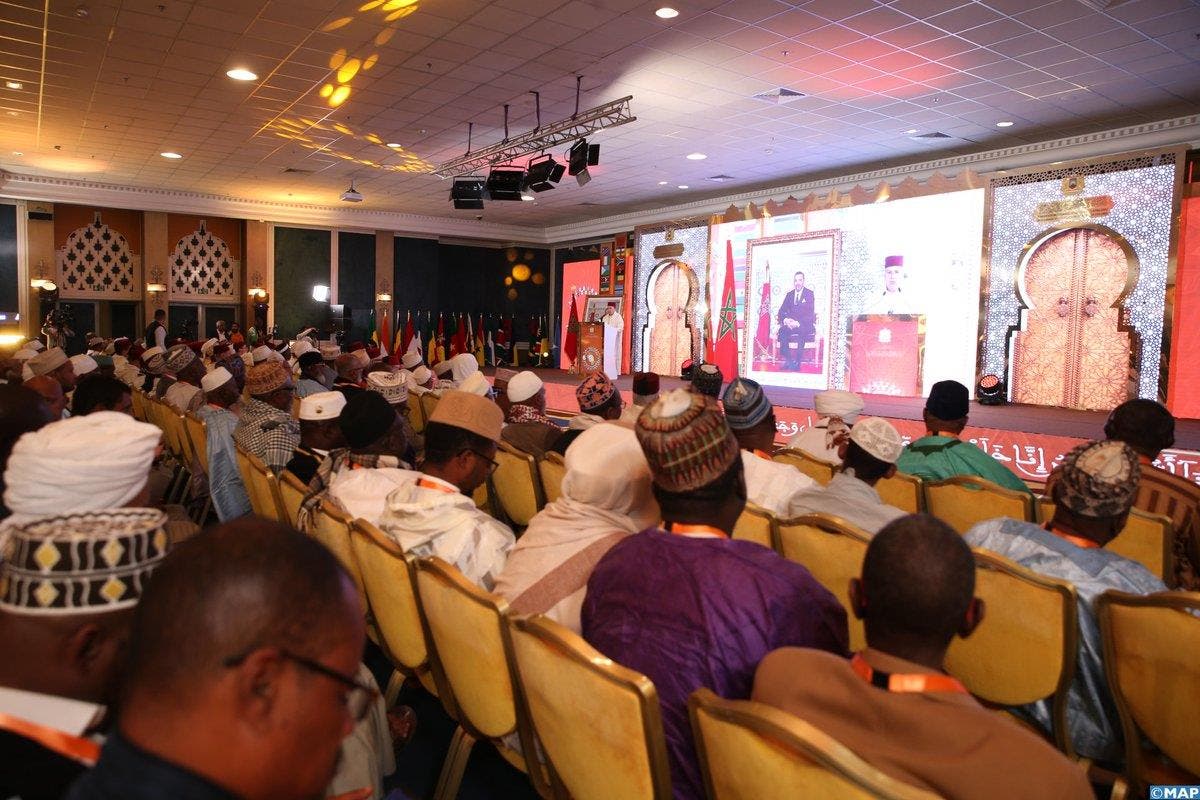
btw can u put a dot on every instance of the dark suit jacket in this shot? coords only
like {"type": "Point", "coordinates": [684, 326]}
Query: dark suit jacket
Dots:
{"type": "Point", "coordinates": [802, 312]}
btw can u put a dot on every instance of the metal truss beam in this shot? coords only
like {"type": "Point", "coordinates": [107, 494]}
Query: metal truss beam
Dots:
{"type": "Point", "coordinates": [585, 123]}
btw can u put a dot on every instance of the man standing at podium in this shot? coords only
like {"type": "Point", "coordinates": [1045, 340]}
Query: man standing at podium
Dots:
{"type": "Point", "coordinates": [614, 325]}
{"type": "Point", "coordinates": [796, 322]}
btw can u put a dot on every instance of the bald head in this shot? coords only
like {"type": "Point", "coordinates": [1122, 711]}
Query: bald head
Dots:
{"type": "Point", "coordinates": [51, 391]}
{"type": "Point", "coordinates": [918, 578]}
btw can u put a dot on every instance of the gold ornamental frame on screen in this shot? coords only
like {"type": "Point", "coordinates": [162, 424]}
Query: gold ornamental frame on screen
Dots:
{"type": "Point", "coordinates": [1061, 169]}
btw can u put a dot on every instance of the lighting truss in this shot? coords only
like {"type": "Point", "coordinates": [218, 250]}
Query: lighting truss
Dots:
{"type": "Point", "coordinates": [585, 123]}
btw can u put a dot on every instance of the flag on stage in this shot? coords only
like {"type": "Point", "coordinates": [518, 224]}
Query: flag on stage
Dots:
{"type": "Point", "coordinates": [544, 336]}
{"type": "Point", "coordinates": [451, 337]}
{"type": "Point", "coordinates": [762, 338]}
{"type": "Point", "coordinates": [460, 335]}
{"type": "Point", "coordinates": [725, 346]}
{"type": "Point", "coordinates": [479, 354]}
{"type": "Point", "coordinates": [571, 343]}
{"type": "Point", "coordinates": [406, 334]}
{"type": "Point", "coordinates": [385, 334]}
{"type": "Point", "coordinates": [372, 334]}
{"type": "Point", "coordinates": [491, 348]}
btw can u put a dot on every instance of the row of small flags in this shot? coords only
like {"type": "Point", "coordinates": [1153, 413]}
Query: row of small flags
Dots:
{"type": "Point", "coordinates": [490, 337]}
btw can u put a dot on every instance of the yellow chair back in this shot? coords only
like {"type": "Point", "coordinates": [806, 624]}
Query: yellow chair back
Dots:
{"type": "Point", "coordinates": [820, 471]}
{"type": "Point", "coordinates": [552, 469]}
{"type": "Point", "coordinates": [295, 408]}
{"type": "Point", "coordinates": [517, 486]}
{"type": "Point", "coordinates": [260, 485]}
{"type": "Point", "coordinates": [197, 433]}
{"type": "Point", "coordinates": [1150, 645]}
{"type": "Point", "coordinates": [599, 724]}
{"type": "Point", "coordinates": [416, 414]}
{"type": "Point", "coordinates": [964, 500]}
{"type": "Point", "coordinates": [757, 525]}
{"type": "Point", "coordinates": [1148, 539]}
{"type": "Point", "coordinates": [1026, 647]}
{"type": "Point", "coordinates": [752, 751]}
{"type": "Point", "coordinates": [331, 527]}
{"type": "Point", "coordinates": [138, 399]}
{"type": "Point", "coordinates": [292, 492]}
{"type": "Point", "coordinates": [905, 492]}
{"type": "Point", "coordinates": [428, 404]}
{"type": "Point", "coordinates": [832, 550]}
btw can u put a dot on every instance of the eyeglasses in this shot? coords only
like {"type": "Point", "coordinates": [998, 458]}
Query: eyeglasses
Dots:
{"type": "Point", "coordinates": [358, 697]}
{"type": "Point", "coordinates": [493, 463]}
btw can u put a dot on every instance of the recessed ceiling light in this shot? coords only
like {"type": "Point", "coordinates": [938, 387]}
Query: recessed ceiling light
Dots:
{"type": "Point", "coordinates": [662, 183]}
{"type": "Point", "coordinates": [394, 145]}
{"type": "Point", "coordinates": [14, 84]}
{"type": "Point", "coordinates": [242, 74]}
{"type": "Point", "coordinates": [696, 156]}
{"type": "Point", "coordinates": [13, 113]}
{"type": "Point", "coordinates": [911, 131]}
{"type": "Point", "coordinates": [171, 155]}
{"type": "Point", "coordinates": [682, 186]}
{"type": "Point", "coordinates": [666, 12]}
{"type": "Point", "coordinates": [1004, 124]}
{"type": "Point", "coordinates": [17, 153]}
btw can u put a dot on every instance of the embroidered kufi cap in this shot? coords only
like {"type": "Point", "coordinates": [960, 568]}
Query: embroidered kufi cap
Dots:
{"type": "Point", "coordinates": [523, 386]}
{"type": "Point", "coordinates": [267, 377]}
{"type": "Point", "coordinates": [410, 360]}
{"type": "Point", "coordinates": [178, 358]}
{"type": "Point", "coordinates": [879, 438]}
{"type": "Point", "coordinates": [215, 379]}
{"type": "Point", "coordinates": [1099, 479]}
{"type": "Point", "coordinates": [389, 384]}
{"type": "Point", "coordinates": [595, 391]}
{"type": "Point", "coordinates": [745, 404]}
{"type": "Point", "coordinates": [47, 361]}
{"type": "Point", "coordinates": [707, 379]}
{"type": "Point", "coordinates": [686, 439]}
{"type": "Point", "coordinates": [260, 353]}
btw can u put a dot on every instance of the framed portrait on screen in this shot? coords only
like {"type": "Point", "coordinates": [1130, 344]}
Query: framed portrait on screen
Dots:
{"type": "Point", "coordinates": [791, 305]}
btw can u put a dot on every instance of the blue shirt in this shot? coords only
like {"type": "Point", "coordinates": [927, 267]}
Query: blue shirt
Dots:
{"type": "Point", "coordinates": [225, 486]}
{"type": "Point", "coordinates": [1092, 716]}
{"type": "Point", "coordinates": [126, 772]}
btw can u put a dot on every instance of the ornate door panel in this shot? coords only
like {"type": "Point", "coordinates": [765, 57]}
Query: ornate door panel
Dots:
{"type": "Point", "coordinates": [672, 297]}
{"type": "Point", "coordinates": [1073, 351]}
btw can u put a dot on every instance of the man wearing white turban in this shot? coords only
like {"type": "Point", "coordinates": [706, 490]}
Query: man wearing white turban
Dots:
{"type": "Point", "coordinates": [98, 461]}
{"type": "Point", "coordinates": [462, 366]}
{"type": "Point", "coordinates": [837, 410]}
{"type": "Point", "coordinates": [606, 496]}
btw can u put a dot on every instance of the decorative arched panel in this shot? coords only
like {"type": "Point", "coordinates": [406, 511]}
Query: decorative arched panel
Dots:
{"type": "Point", "coordinates": [97, 262]}
{"type": "Point", "coordinates": [202, 268]}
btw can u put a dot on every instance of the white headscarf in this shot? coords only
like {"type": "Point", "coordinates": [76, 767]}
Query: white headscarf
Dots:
{"type": "Point", "coordinates": [462, 366]}
{"type": "Point", "coordinates": [607, 482]}
{"type": "Point", "coordinates": [89, 463]}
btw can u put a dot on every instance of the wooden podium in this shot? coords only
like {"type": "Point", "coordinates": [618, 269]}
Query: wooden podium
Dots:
{"type": "Point", "coordinates": [591, 347]}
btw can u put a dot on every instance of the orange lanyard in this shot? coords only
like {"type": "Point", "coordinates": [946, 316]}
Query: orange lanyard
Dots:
{"type": "Point", "coordinates": [681, 528]}
{"type": "Point", "coordinates": [913, 683]}
{"type": "Point", "coordinates": [1078, 541]}
{"type": "Point", "coordinates": [85, 751]}
{"type": "Point", "coordinates": [762, 455]}
{"type": "Point", "coordinates": [437, 487]}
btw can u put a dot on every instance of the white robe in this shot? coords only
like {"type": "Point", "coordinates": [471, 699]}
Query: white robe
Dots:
{"type": "Point", "coordinates": [614, 327]}
{"type": "Point", "coordinates": [772, 485]}
{"type": "Point", "coordinates": [362, 493]}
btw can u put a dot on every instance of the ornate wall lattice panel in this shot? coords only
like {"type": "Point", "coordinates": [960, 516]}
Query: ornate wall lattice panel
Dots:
{"type": "Point", "coordinates": [202, 269]}
{"type": "Point", "coordinates": [97, 262]}
{"type": "Point", "coordinates": [693, 235]}
{"type": "Point", "coordinates": [1142, 189]}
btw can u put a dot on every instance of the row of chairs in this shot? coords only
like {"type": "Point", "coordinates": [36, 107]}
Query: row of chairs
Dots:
{"type": "Point", "coordinates": [185, 440]}
{"type": "Point", "coordinates": [964, 500]}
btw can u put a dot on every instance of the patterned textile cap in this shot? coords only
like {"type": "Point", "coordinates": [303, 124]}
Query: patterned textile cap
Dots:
{"type": "Point", "coordinates": [322, 406]}
{"type": "Point", "coordinates": [47, 361]}
{"type": "Point", "coordinates": [421, 375]}
{"type": "Point", "coordinates": [151, 352]}
{"type": "Point", "coordinates": [389, 384]}
{"type": "Point", "coordinates": [745, 404]}
{"type": "Point", "coordinates": [260, 353]}
{"type": "Point", "coordinates": [81, 563]}
{"type": "Point", "coordinates": [1099, 479]}
{"type": "Point", "coordinates": [838, 403]}
{"type": "Point", "coordinates": [178, 358]}
{"type": "Point", "coordinates": [707, 379]}
{"type": "Point", "coordinates": [207, 348]}
{"type": "Point", "coordinates": [267, 377]}
{"type": "Point", "coordinates": [410, 360]}
{"type": "Point", "coordinates": [215, 379]}
{"type": "Point", "coordinates": [476, 384]}
{"type": "Point", "coordinates": [645, 385]}
{"type": "Point", "coordinates": [948, 400]}
{"type": "Point", "coordinates": [686, 439]}
{"type": "Point", "coordinates": [330, 351]}
{"type": "Point", "coordinates": [595, 391]}
{"type": "Point", "coordinates": [523, 386]}
{"type": "Point", "coordinates": [83, 364]}
{"type": "Point", "coordinates": [476, 414]}
{"type": "Point", "coordinates": [879, 438]}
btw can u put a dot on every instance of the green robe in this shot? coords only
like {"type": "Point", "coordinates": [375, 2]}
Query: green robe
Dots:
{"type": "Point", "coordinates": [935, 458]}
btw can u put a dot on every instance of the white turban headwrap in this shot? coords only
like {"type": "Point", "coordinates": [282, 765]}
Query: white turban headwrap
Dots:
{"type": "Point", "coordinates": [90, 463]}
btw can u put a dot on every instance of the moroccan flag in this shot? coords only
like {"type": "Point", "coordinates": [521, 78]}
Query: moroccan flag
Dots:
{"type": "Point", "coordinates": [762, 339]}
{"type": "Point", "coordinates": [571, 343]}
{"type": "Point", "coordinates": [725, 345]}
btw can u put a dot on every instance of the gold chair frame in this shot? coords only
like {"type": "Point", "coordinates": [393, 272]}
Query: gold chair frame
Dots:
{"type": "Point", "coordinates": [905, 492]}
{"type": "Point", "coordinates": [259, 480]}
{"type": "Point", "coordinates": [756, 524]}
{"type": "Point", "coordinates": [782, 731]}
{"type": "Point", "coordinates": [506, 452]}
{"type": "Point", "coordinates": [552, 469]}
{"type": "Point", "coordinates": [292, 492]}
{"type": "Point", "coordinates": [820, 471]}
{"type": "Point", "coordinates": [331, 527]}
{"type": "Point", "coordinates": [975, 483]}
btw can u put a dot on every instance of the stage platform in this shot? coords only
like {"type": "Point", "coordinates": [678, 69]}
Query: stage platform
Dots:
{"type": "Point", "coordinates": [1028, 439]}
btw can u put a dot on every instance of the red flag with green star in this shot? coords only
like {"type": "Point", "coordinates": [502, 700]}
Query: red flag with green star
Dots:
{"type": "Point", "coordinates": [725, 341]}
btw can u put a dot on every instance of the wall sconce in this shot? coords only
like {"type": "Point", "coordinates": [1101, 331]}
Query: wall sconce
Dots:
{"type": "Point", "coordinates": [320, 293]}
{"type": "Point", "coordinates": [257, 292]}
{"type": "Point", "coordinates": [156, 285]}
{"type": "Point", "coordinates": [383, 297]}
{"type": "Point", "coordinates": [41, 282]}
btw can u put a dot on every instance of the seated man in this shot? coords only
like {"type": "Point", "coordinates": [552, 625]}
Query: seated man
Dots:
{"type": "Point", "coordinates": [598, 401]}
{"type": "Point", "coordinates": [686, 605]}
{"type": "Point", "coordinates": [51, 392]}
{"type": "Point", "coordinates": [476, 384]}
{"type": "Point", "coordinates": [266, 428]}
{"type": "Point", "coordinates": [940, 454]}
{"type": "Point", "coordinates": [892, 704]}
{"type": "Point", "coordinates": [645, 392]}
{"type": "Point", "coordinates": [432, 513]}
{"type": "Point", "coordinates": [55, 364]}
{"type": "Point", "coordinates": [220, 417]}
{"type": "Point", "coordinates": [224, 356]}
{"type": "Point", "coordinates": [605, 497]}
{"type": "Point", "coordinates": [243, 674]}
{"type": "Point", "coordinates": [312, 374]}
{"type": "Point", "coordinates": [320, 433]}
{"type": "Point", "coordinates": [707, 379]}
{"type": "Point", "coordinates": [349, 374]}
{"type": "Point", "coordinates": [420, 380]}
{"type": "Point", "coordinates": [529, 429]}
{"type": "Point", "coordinates": [357, 478]}
{"type": "Point", "coordinates": [187, 369]}
{"type": "Point", "coordinates": [1094, 492]}
{"type": "Point", "coordinates": [871, 456]}
{"type": "Point", "coordinates": [836, 411]}
{"type": "Point", "coordinates": [101, 393]}
{"type": "Point", "coordinates": [797, 323]}
{"type": "Point", "coordinates": [65, 639]}
{"type": "Point", "coordinates": [751, 417]}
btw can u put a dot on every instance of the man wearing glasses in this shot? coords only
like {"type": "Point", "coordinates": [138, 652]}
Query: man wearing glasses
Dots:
{"type": "Point", "coordinates": [241, 677]}
{"type": "Point", "coordinates": [432, 513]}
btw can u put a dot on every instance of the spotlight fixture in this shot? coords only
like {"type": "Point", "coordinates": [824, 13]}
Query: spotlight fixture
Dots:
{"type": "Point", "coordinates": [543, 173]}
{"type": "Point", "coordinates": [320, 293]}
{"type": "Point", "coordinates": [467, 193]}
{"type": "Point", "coordinates": [505, 182]}
{"type": "Point", "coordinates": [241, 74]}
{"type": "Point", "coordinates": [352, 195]}
{"type": "Point", "coordinates": [581, 156]}
{"type": "Point", "coordinates": [991, 390]}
